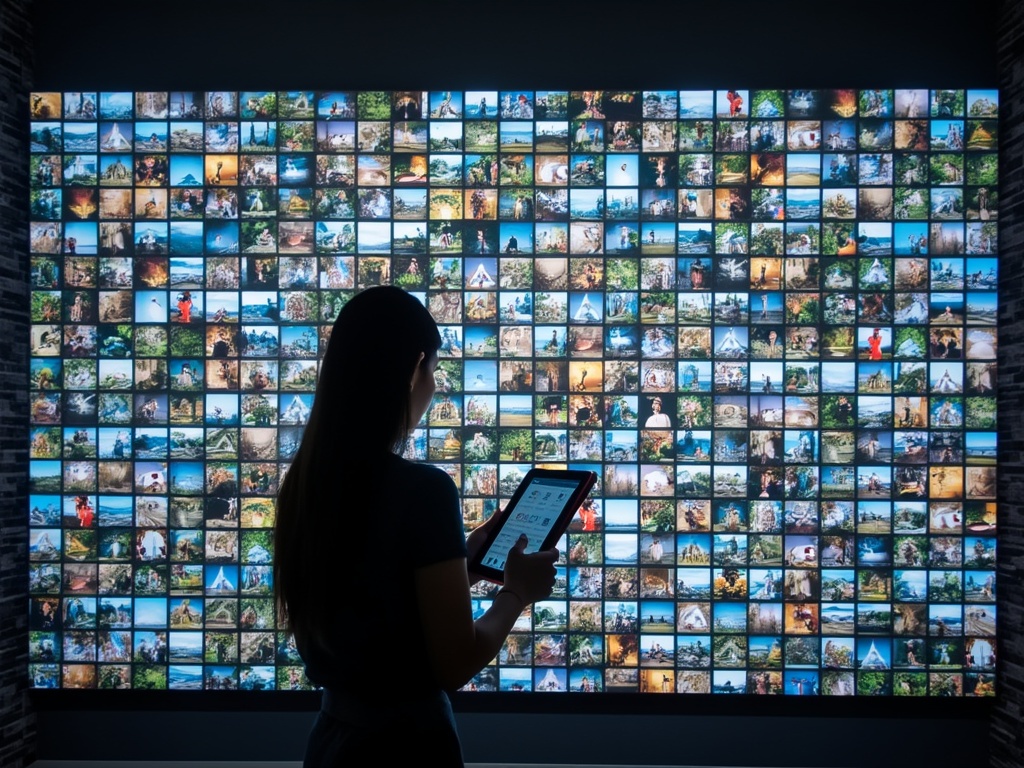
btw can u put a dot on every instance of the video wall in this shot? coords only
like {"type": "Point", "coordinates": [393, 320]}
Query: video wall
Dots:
{"type": "Point", "coordinates": [766, 318]}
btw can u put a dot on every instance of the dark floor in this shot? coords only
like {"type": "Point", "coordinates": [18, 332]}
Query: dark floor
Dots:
{"type": "Point", "coordinates": [242, 764]}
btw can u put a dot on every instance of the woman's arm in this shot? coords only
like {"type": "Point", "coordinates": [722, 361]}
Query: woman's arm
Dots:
{"type": "Point", "coordinates": [457, 646]}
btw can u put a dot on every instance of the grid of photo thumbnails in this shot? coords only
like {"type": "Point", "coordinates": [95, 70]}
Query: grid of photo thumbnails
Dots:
{"type": "Point", "coordinates": [765, 318]}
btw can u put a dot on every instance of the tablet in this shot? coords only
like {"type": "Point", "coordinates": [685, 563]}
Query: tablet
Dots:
{"type": "Point", "coordinates": [541, 507]}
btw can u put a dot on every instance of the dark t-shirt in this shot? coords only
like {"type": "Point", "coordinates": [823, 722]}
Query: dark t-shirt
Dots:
{"type": "Point", "coordinates": [376, 647]}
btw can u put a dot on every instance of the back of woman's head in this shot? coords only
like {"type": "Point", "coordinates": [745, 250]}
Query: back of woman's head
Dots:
{"type": "Point", "coordinates": [375, 345]}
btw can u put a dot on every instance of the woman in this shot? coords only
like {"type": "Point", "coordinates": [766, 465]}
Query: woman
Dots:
{"type": "Point", "coordinates": [875, 345]}
{"type": "Point", "coordinates": [347, 497]}
{"type": "Point", "coordinates": [185, 307]}
{"type": "Point", "coordinates": [657, 419]}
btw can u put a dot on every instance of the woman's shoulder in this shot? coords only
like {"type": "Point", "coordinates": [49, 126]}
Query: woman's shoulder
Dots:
{"type": "Point", "coordinates": [412, 471]}
{"type": "Point", "coordinates": [428, 494]}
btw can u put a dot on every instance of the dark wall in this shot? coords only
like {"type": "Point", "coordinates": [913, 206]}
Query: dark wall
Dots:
{"type": "Point", "coordinates": [1007, 735]}
{"type": "Point", "coordinates": [263, 44]}
{"type": "Point", "coordinates": [17, 723]}
{"type": "Point", "coordinates": [319, 45]}
{"type": "Point", "coordinates": [873, 740]}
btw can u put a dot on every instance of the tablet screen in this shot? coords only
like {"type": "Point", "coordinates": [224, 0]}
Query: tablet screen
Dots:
{"type": "Point", "coordinates": [538, 510]}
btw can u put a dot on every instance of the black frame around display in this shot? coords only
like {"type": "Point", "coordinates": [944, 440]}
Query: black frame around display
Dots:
{"type": "Point", "coordinates": [766, 318]}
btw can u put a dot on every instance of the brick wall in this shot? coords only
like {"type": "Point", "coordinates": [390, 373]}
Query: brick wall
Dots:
{"type": "Point", "coordinates": [17, 723]}
{"type": "Point", "coordinates": [1007, 732]}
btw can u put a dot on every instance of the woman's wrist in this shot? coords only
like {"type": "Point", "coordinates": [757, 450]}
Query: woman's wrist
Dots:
{"type": "Point", "coordinates": [513, 593]}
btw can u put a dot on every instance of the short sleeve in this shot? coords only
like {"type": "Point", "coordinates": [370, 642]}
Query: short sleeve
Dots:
{"type": "Point", "coordinates": [435, 517]}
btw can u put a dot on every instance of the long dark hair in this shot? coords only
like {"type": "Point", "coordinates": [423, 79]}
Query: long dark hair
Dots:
{"type": "Point", "coordinates": [360, 414]}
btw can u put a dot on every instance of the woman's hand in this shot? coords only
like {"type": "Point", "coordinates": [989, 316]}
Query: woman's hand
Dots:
{"type": "Point", "coordinates": [530, 577]}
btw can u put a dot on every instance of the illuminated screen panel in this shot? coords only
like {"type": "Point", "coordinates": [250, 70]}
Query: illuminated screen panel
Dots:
{"type": "Point", "coordinates": [767, 319]}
